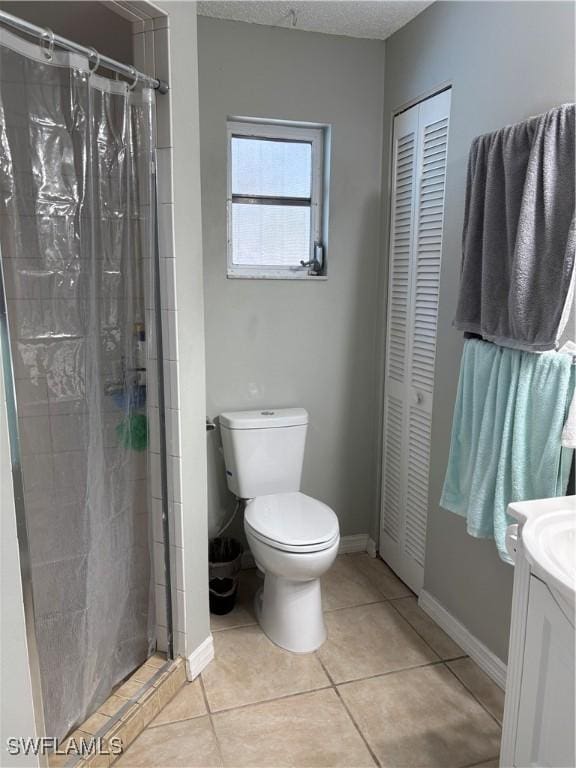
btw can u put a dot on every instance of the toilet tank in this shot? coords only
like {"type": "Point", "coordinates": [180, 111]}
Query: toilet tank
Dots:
{"type": "Point", "coordinates": [264, 450]}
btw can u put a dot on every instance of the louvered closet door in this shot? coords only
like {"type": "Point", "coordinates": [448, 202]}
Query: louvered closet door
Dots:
{"type": "Point", "coordinates": [405, 142]}
{"type": "Point", "coordinates": [418, 180]}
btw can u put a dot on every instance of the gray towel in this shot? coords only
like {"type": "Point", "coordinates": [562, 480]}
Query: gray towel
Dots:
{"type": "Point", "coordinates": [519, 237]}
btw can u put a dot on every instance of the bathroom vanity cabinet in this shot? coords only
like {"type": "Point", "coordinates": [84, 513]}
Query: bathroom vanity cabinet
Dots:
{"type": "Point", "coordinates": [539, 712]}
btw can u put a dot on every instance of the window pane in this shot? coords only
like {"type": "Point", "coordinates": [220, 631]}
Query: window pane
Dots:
{"type": "Point", "coordinates": [272, 168]}
{"type": "Point", "coordinates": [271, 235]}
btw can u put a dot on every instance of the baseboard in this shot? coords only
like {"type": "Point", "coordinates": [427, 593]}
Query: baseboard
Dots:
{"type": "Point", "coordinates": [358, 542]}
{"type": "Point", "coordinates": [483, 656]}
{"type": "Point", "coordinates": [199, 659]}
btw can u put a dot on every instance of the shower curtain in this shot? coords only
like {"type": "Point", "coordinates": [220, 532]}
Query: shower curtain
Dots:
{"type": "Point", "coordinates": [77, 228]}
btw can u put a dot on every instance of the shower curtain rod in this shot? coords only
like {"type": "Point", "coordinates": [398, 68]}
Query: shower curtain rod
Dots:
{"type": "Point", "coordinates": [51, 39]}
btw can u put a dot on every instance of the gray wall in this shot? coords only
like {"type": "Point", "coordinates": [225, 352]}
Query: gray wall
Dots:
{"type": "Point", "coordinates": [507, 61]}
{"type": "Point", "coordinates": [298, 343]}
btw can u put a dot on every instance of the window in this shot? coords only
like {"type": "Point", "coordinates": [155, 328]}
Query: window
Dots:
{"type": "Point", "coordinates": [275, 175]}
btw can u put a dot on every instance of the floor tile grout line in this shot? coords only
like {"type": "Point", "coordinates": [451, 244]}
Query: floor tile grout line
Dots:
{"type": "Point", "coordinates": [474, 696]}
{"type": "Point", "coordinates": [371, 582]}
{"type": "Point", "coordinates": [350, 715]}
{"type": "Point", "coordinates": [471, 692]}
{"type": "Point", "coordinates": [421, 636]}
{"type": "Point", "coordinates": [360, 732]}
{"type": "Point", "coordinates": [212, 726]}
{"type": "Point", "coordinates": [434, 663]}
{"type": "Point", "coordinates": [380, 559]}
{"type": "Point", "coordinates": [415, 596]}
{"type": "Point", "coordinates": [151, 725]}
{"type": "Point", "coordinates": [440, 662]}
{"type": "Point", "coordinates": [355, 605]}
{"type": "Point", "coordinates": [344, 608]}
{"type": "Point", "coordinates": [324, 667]}
{"type": "Point", "coordinates": [270, 701]}
{"type": "Point", "coordinates": [326, 610]}
{"type": "Point", "coordinates": [411, 596]}
{"type": "Point", "coordinates": [331, 684]}
{"type": "Point", "coordinates": [236, 626]}
{"type": "Point", "coordinates": [383, 597]}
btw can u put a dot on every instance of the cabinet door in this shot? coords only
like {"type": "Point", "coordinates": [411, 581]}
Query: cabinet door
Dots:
{"type": "Point", "coordinates": [545, 734]}
{"type": "Point", "coordinates": [420, 147]}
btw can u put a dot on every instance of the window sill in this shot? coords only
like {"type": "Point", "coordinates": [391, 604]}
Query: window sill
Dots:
{"type": "Point", "coordinates": [294, 278]}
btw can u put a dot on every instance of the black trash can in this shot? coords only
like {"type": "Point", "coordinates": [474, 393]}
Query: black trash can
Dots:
{"type": "Point", "coordinates": [225, 560]}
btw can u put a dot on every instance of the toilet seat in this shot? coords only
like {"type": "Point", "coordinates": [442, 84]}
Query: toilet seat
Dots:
{"type": "Point", "coordinates": [292, 522]}
{"type": "Point", "coordinates": [295, 549]}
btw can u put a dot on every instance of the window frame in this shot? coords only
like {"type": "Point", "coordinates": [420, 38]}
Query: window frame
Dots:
{"type": "Point", "coordinates": [291, 132]}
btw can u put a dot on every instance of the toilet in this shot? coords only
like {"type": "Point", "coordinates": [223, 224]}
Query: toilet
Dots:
{"type": "Point", "coordinates": [294, 538]}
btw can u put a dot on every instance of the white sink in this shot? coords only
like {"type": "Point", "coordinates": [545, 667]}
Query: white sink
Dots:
{"type": "Point", "coordinates": [549, 538]}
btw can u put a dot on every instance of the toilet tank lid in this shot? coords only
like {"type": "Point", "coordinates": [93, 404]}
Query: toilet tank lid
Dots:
{"type": "Point", "coordinates": [267, 418]}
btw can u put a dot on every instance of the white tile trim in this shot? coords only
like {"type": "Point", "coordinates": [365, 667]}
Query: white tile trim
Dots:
{"type": "Point", "coordinates": [483, 656]}
{"type": "Point", "coordinates": [199, 659]}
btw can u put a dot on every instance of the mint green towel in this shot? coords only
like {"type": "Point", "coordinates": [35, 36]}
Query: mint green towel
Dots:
{"type": "Point", "coordinates": [508, 419]}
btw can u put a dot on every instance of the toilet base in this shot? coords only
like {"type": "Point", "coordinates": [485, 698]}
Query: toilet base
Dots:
{"type": "Point", "coordinates": [290, 613]}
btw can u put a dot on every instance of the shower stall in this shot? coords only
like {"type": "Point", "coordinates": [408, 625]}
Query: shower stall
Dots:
{"type": "Point", "coordinates": [78, 278]}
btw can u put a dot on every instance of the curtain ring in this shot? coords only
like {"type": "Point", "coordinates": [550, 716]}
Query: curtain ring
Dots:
{"type": "Point", "coordinates": [96, 56]}
{"type": "Point", "coordinates": [134, 72]}
{"type": "Point", "coordinates": [48, 38]}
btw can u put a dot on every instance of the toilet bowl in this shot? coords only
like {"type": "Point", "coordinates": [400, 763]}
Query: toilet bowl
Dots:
{"type": "Point", "coordinates": [294, 539]}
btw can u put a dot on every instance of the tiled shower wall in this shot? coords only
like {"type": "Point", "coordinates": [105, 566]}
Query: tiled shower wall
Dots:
{"type": "Point", "coordinates": [151, 55]}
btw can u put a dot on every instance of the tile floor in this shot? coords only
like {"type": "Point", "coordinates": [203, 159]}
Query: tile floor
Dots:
{"type": "Point", "coordinates": [388, 688]}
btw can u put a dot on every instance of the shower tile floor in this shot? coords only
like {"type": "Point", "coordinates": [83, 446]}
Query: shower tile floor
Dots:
{"type": "Point", "coordinates": [388, 688]}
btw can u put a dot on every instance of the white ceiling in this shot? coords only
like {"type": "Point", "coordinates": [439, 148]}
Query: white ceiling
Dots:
{"type": "Point", "coordinates": [375, 19]}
